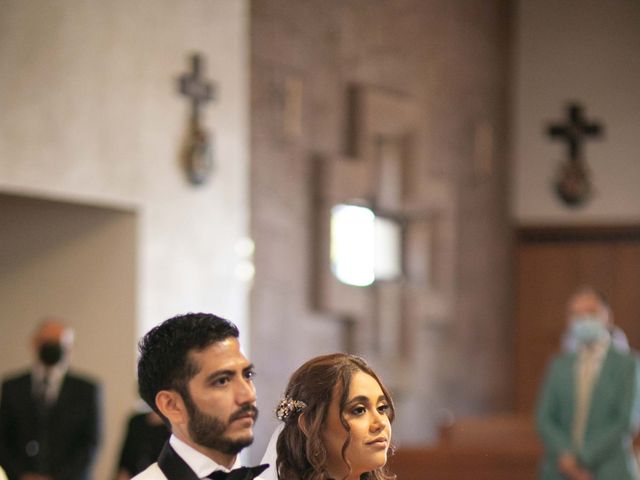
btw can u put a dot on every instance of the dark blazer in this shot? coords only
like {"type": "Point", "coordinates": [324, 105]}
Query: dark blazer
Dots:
{"type": "Point", "coordinates": [61, 442]}
{"type": "Point", "coordinates": [607, 451]}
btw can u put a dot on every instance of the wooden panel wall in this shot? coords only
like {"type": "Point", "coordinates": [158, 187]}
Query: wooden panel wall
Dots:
{"type": "Point", "coordinates": [551, 264]}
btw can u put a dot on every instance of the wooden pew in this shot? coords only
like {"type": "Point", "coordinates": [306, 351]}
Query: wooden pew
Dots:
{"type": "Point", "coordinates": [463, 463]}
{"type": "Point", "coordinates": [499, 447]}
{"type": "Point", "coordinates": [496, 447]}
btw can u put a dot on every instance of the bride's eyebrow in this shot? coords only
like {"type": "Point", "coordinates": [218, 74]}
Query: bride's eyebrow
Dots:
{"type": "Point", "coordinates": [358, 399]}
{"type": "Point", "coordinates": [365, 399]}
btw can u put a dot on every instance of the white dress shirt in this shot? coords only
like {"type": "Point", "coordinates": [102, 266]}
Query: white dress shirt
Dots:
{"type": "Point", "coordinates": [201, 465]}
{"type": "Point", "coordinates": [55, 376]}
{"type": "Point", "coordinates": [588, 366]}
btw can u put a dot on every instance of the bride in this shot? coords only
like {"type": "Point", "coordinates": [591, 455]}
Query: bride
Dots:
{"type": "Point", "coordinates": [336, 418]}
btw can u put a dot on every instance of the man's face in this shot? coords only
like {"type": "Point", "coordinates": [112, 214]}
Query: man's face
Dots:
{"type": "Point", "coordinates": [584, 304]}
{"type": "Point", "coordinates": [53, 333]}
{"type": "Point", "coordinates": [222, 397]}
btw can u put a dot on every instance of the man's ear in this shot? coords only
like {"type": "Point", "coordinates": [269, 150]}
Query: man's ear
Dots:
{"type": "Point", "coordinates": [302, 425]}
{"type": "Point", "coordinates": [171, 405]}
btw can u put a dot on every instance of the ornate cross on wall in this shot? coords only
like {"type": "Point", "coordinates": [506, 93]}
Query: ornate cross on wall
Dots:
{"type": "Point", "coordinates": [198, 151]}
{"type": "Point", "coordinates": [573, 185]}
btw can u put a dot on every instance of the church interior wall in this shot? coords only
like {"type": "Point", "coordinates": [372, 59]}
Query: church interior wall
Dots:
{"type": "Point", "coordinates": [452, 58]}
{"type": "Point", "coordinates": [586, 52]}
{"type": "Point", "coordinates": [91, 115]}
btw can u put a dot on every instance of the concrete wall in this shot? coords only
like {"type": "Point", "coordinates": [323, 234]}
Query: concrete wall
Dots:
{"type": "Point", "coordinates": [91, 115]}
{"type": "Point", "coordinates": [585, 51]}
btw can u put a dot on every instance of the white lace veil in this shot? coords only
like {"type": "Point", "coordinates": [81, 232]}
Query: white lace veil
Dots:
{"type": "Point", "coordinates": [270, 455]}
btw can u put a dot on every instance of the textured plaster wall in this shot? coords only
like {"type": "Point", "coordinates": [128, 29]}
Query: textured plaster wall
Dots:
{"type": "Point", "coordinates": [90, 114]}
{"type": "Point", "coordinates": [585, 51]}
{"type": "Point", "coordinates": [452, 58]}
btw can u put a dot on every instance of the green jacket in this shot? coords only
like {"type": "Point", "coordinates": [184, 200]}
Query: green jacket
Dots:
{"type": "Point", "coordinates": [607, 451]}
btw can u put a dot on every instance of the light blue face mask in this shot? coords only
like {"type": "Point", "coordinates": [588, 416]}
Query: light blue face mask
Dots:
{"type": "Point", "coordinates": [587, 329]}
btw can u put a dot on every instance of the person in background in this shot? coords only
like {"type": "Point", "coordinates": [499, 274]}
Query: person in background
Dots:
{"type": "Point", "coordinates": [49, 416]}
{"type": "Point", "coordinates": [146, 435]}
{"type": "Point", "coordinates": [619, 340]}
{"type": "Point", "coordinates": [586, 408]}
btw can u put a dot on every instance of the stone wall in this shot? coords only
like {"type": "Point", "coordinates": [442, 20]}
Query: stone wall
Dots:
{"type": "Point", "coordinates": [451, 57]}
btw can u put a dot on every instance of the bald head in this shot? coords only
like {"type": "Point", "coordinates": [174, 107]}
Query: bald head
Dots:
{"type": "Point", "coordinates": [52, 341]}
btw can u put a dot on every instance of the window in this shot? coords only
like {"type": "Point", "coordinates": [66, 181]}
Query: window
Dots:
{"type": "Point", "coordinates": [364, 247]}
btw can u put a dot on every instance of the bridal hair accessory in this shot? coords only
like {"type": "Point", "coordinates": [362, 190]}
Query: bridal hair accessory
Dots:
{"type": "Point", "coordinates": [287, 407]}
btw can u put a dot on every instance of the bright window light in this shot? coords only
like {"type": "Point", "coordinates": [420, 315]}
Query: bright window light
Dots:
{"type": "Point", "coordinates": [352, 244]}
{"type": "Point", "coordinates": [364, 248]}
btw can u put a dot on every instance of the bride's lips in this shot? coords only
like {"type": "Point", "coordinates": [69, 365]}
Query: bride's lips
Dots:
{"type": "Point", "coordinates": [378, 442]}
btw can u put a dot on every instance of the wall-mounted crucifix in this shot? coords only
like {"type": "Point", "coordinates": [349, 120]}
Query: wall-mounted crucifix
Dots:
{"type": "Point", "coordinates": [573, 184]}
{"type": "Point", "coordinates": [198, 151]}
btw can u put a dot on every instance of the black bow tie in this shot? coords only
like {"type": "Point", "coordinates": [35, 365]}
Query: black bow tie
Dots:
{"type": "Point", "coordinates": [175, 468]}
{"type": "Point", "coordinates": [242, 473]}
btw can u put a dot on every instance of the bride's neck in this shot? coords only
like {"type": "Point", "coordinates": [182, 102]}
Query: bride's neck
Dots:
{"type": "Point", "coordinates": [341, 476]}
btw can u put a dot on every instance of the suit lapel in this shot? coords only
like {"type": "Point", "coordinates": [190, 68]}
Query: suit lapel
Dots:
{"type": "Point", "coordinates": [63, 398]}
{"type": "Point", "coordinates": [173, 466]}
{"type": "Point", "coordinates": [28, 393]}
{"type": "Point", "coordinates": [34, 407]}
{"type": "Point", "coordinates": [571, 377]}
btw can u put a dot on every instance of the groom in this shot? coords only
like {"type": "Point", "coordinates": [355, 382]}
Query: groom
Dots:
{"type": "Point", "coordinates": [192, 373]}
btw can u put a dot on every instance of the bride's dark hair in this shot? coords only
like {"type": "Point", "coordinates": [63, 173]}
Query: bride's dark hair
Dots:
{"type": "Point", "coordinates": [303, 456]}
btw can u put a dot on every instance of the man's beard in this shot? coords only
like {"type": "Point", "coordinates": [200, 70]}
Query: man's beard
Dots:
{"type": "Point", "coordinates": [208, 431]}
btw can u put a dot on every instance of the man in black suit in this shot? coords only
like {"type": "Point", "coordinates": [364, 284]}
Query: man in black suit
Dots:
{"type": "Point", "coordinates": [49, 417]}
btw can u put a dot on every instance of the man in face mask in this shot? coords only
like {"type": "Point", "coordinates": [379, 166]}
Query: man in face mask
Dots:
{"type": "Point", "coordinates": [589, 303]}
{"type": "Point", "coordinates": [49, 417]}
{"type": "Point", "coordinates": [586, 407]}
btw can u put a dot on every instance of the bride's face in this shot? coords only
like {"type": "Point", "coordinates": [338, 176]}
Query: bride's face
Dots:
{"type": "Point", "coordinates": [366, 412]}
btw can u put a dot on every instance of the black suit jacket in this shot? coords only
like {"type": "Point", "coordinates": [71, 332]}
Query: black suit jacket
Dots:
{"type": "Point", "coordinates": [71, 429]}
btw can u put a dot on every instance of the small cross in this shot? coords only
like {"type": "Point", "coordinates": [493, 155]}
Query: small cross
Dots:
{"type": "Point", "coordinates": [195, 87]}
{"type": "Point", "coordinates": [198, 150]}
{"type": "Point", "coordinates": [576, 131]}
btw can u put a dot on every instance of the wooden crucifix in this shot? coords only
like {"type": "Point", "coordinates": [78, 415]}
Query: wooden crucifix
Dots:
{"type": "Point", "coordinates": [198, 151]}
{"type": "Point", "coordinates": [573, 185]}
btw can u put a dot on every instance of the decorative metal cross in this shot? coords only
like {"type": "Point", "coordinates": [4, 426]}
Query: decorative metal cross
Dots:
{"type": "Point", "coordinates": [575, 132]}
{"type": "Point", "coordinates": [198, 152]}
{"type": "Point", "coordinates": [573, 184]}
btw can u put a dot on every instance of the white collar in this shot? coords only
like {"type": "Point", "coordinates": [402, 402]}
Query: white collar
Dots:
{"type": "Point", "coordinates": [56, 374]}
{"type": "Point", "coordinates": [201, 465]}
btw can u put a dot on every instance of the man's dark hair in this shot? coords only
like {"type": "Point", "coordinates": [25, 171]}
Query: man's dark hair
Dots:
{"type": "Point", "coordinates": [165, 363]}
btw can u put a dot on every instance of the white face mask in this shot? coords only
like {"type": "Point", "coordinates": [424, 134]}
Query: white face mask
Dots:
{"type": "Point", "coordinates": [587, 329]}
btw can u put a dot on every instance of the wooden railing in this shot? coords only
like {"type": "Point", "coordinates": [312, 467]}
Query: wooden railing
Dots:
{"type": "Point", "coordinates": [500, 447]}
{"type": "Point", "coordinates": [464, 463]}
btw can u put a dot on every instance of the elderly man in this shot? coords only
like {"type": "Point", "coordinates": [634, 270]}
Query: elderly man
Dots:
{"type": "Point", "coordinates": [585, 410]}
{"type": "Point", "coordinates": [49, 417]}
